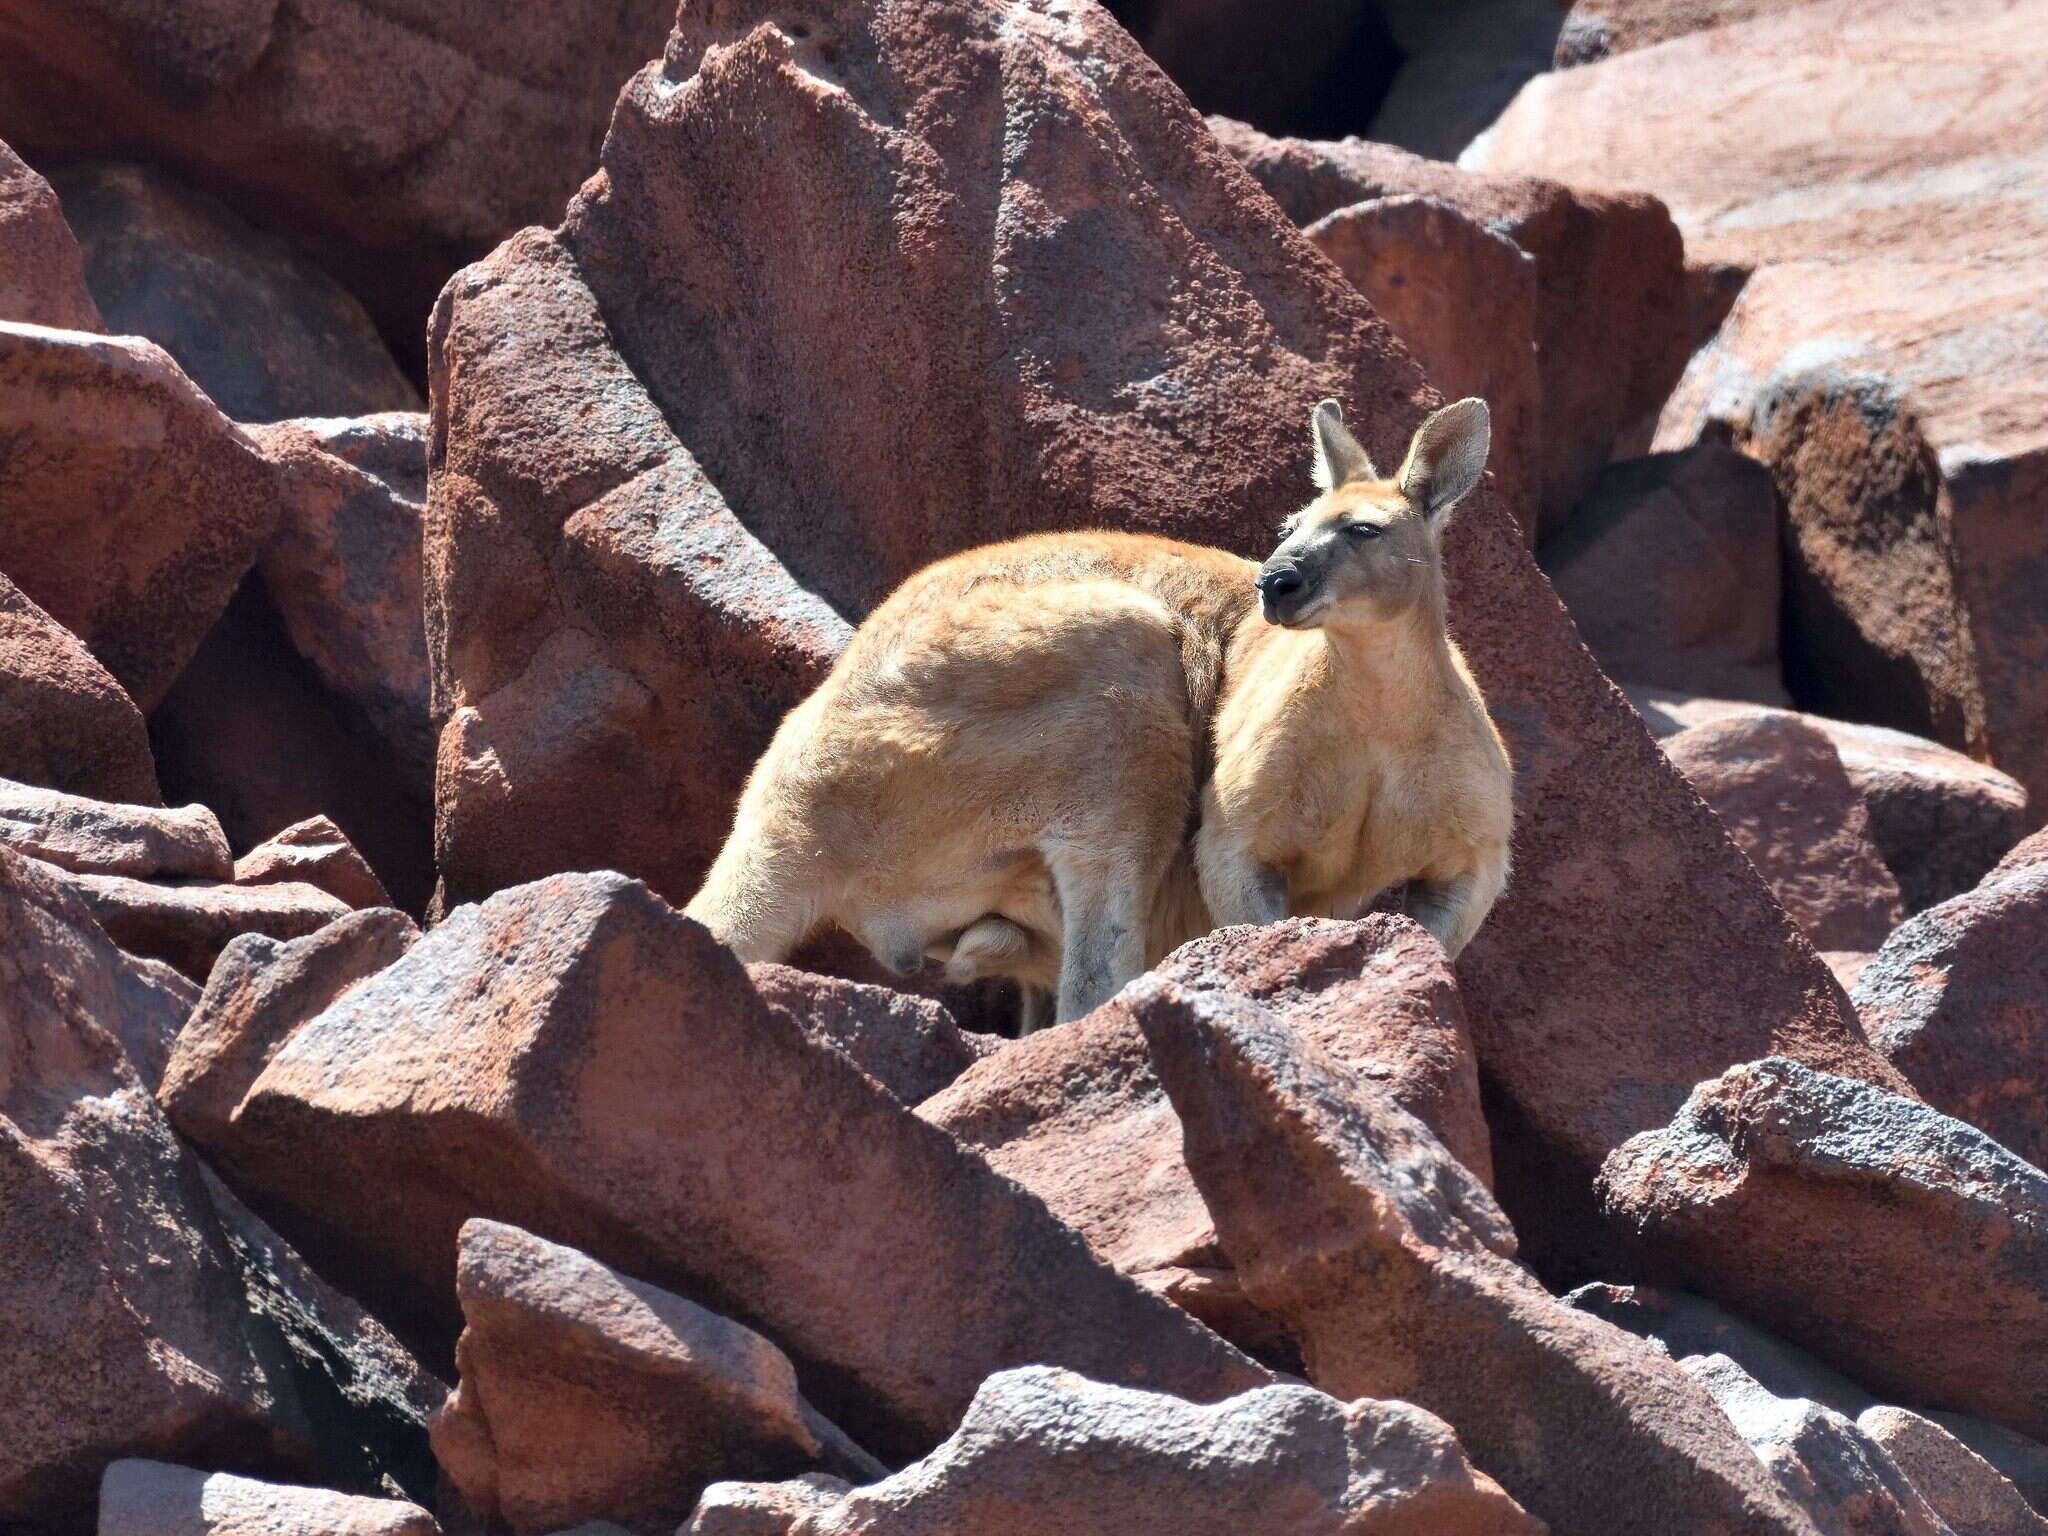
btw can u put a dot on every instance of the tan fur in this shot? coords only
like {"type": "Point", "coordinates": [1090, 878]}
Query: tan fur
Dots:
{"type": "Point", "coordinates": [1004, 768]}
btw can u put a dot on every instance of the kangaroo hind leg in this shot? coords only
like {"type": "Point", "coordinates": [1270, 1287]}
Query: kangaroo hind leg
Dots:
{"type": "Point", "coordinates": [754, 902]}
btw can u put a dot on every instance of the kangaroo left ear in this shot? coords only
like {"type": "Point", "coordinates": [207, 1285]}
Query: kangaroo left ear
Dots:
{"type": "Point", "coordinates": [1339, 457]}
{"type": "Point", "coordinates": [1445, 458]}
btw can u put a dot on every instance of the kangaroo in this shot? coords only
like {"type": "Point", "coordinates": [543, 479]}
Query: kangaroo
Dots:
{"type": "Point", "coordinates": [1057, 758]}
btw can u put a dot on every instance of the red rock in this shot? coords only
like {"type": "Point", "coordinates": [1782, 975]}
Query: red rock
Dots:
{"type": "Point", "coordinates": [1348, 1220]}
{"type": "Point", "coordinates": [396, 141]}
{"type": "Point", "coordinates": [1670, 570]}
{"type": "Point", "coordinates": [64, 721]}
{"type": "Point", "coordinates": [587, 1395]}
{"type": "Point", "coordinates": [613, 645]}
{"type": "Point", "coordinates": [97, 837]}
{"type": "Point", "coordinates": [129, 506]}
{"type": "Point", "coordinates": [1957, 999]}
{"type": "Point", "coordinates": [260, 991]}
{"type": "Point", "coordinates": [318, 853]}
{"type": "Point", "coordinates": [1599, 29]}
{"type": "Point", "coordinates": [1880, 360]}
{"type": "Point", "coordinates": [1940, 819]}
{"type": "Point", "coordinates": [1614, 324]}
{"type": "Point", "coordinates": [1078, 1117]}
{"type": "Point", "coordinates": [262, 331]}
{"type": "Point", "coordinates": [1043, 1450]}
{"type": "Point", "coordinates": [154, 1498]}
{"type": "Point", "coordinates": [41, 278]}
{"type": "Point", "coordinates": [344, 567]}
{"type": "Point", "coordinates": [1932, 1231]}
{"type": "Point", "coordinates": [908, 1044]}
{"type": "Point", "coordinates": [189, 922]}
{"type": "Point", "coordinates": [1779, 787]}
{"type": "Point", "coordinates": [1963, 1488]}
{"type": "Point", "coordinates": [1464, 300]}
{"type": "Point", "coordinates": [532, 1060]}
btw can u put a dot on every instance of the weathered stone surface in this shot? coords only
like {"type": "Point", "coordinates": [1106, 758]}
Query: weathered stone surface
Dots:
{"type": "Point", "coordinates": [344, 567]}
{"type": "Point", "coordinates": [263, 332]}
{"type": "Point", "coordinates": [64, 721]}
{"type": "Point", "coordinates": [619, 1087]}
{"type": "Point", "coordinates": [1348, 1220]}
{"type": "Point", "coordinates": [1614, 321]}
{"type": "Point", "coordinates": [101, 837]}
{"type": "Point", "coordinates": [1779, 787]}
{"type": "Point", "coordinates": [1957, 999]}
{"type": "Point", "coordinates": [1933, 1231]}
{"type": "Point", "coordinates": [41, 277]}
{"type": "Point", "coordinates": [1825, 1464]}
{"type": "Point", "coordinates": [1078, 1116]}
{"type": "Point", "coordinates": [1043, 1450]}
{"type": "Point", "coordinates": [260, 991]}
{"type": "Point", "coordinates": [908, 1044]}
{"type": "Point", "coordinates": [1599, 29]}
{"type": "Point", "coordinates": [1670, 569]}
{"type": "Point", "coordinates": [1883, 358]}
{"type": "Point", "coordinates": [1465, 301]}
{"type": "Point", "coordinates": [154, 1498]}
{"type": "Point", "coordinates": [1963, 1488]}
{"type": "Point", "coordinates": [1940, 819]}
{"type": "Point", "coordinates": [587, 1395]}
{"type": "Point", "coordinates": [60, 972]}
{"type": "Point", "coordinates": [318, 853]}
{"type": "Point", "coordinates": [398, 138]}
{"type": "Point", "coordinates": [129, 506]}
{"type": "Point", "coordinates": [189, 922]}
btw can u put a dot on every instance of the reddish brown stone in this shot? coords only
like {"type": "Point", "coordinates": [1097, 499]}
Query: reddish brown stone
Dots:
{"type": "Point", "coordinates": [1958, 1001]}
{"type": "Point", "coordinates": [1863, 1225]}
{"type": "Point", "coordinates": [188, 923]}
{"type": "Point", "coordinates": [1963, 1488]}
{"type": "Point", "coordinates": [1599, 29]}
{"type": "Point", "coordinates": [98, 837]}
{"type": "Point", "coordinates": [1348, 1220]}
{"type": "Point", "coordinates": [587, 1395]}
{"type": "Point", "coordinates": [537, 1060]}
{"type": "Point", "coordinates": [1778, 785]}
{"type": "Point", "coordinates": [153, 1498]}
{"type": "Point", "coordinates": [129, 506]}
{"type": "Point", "coordinates": [1046, 1450]}
{"type": "Point", "coordinates": [64, 721]}
{"type": "Point", "coordinates": [1670, 570]}
{"type": "Point", "coordinates": [41, 278]}
{"type": "Point", "coordinates": [908, 1044]}
{"type": "Point", "coordinates": [318, 853]}
{"type": "Point", "coordinates": [263, 332]}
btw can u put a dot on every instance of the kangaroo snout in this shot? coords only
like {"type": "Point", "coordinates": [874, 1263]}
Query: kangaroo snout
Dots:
{"type": "Point", "coordinates": [1283, 589]}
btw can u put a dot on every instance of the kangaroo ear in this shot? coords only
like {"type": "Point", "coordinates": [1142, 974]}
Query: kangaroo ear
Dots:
{"type": "Point", "coordinates": [1445, 458]}
{"type": "Point", "coordinates": [1339, 458]}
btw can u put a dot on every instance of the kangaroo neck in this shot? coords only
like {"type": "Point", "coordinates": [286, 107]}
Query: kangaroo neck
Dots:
{"type": "Point", "coordinates": [1394, 669]}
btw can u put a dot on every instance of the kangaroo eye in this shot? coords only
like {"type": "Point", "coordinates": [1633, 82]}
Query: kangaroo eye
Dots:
{"type": "Point", "coordinates": [1363, 530]}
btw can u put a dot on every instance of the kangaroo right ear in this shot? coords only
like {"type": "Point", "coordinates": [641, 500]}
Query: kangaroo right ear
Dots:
{"type": "Point", "coordinates": [1339, 458]}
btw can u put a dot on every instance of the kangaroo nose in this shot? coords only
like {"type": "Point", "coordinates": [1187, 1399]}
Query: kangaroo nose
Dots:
{"type": "Point", "coordinates": [1278, 581]}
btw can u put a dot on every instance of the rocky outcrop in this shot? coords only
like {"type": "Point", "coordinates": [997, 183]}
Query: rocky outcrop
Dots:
{"type": "Point", "coordinates": [1279, 1458]}
{"type": "Point", "coordinates": [1955, 1000]}
{"type": "Point", "coordinates": [64, 721]}
{"type": "Point", "coordinates": [570, 1028]}
{"type": "Point", "coordinates": [1959, 1485]}
{"type": "Point", "coordinates": [154, 1498]}
{"type": "Point", "coordinates": [314, 852]}
{"type": "Point", "coordinates": [587, 1395]}
{"type": "Point", "coordinates": [1930, 1224]}
{"type": "Point", "coordinates": [1599, 29]}
{"type": "Point", "coordinates": [189, 922]}
{"type": "Point", "coordinates": [42, 280]}
{"type": "Point", "coordinates": [96, 837]}
{"type": "Point", "coordinates": [250, 321]}
{"type": "Point", "coordinates": [910, 1045]}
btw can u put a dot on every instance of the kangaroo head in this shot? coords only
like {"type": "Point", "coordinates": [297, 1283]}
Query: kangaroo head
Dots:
{"type": "Point", "coordinates": [1366, 549]}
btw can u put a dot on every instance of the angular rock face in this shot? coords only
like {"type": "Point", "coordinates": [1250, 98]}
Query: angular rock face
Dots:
{"type": "Point", "coordinates": [1880, 359]}
{"type": "Point", "coordinates": [618, 1086]}
{"type": "Point", "coordinates": [188, 923]}
{"type": "Point", "coordinates": [401, 138]}
{"type": "Point", "coordinates": [1614, 322]}
{"type": "Point", "coordinates": [588, 1395]}
{"type": "Point", "coordinates": [318, 853]}
{"type": "Point", "coordinates": [154, 1498]}
{"type": "Point", "coordinates": [64, 721]}
{"type": "Point", "coordinates": [95, 837]}
{"type": "Point", "coordinates": [129, 506]}
{"type": "Point", "coordinates": [1958, 1001]}
{"type": "Point", "coordinates": [1933, 1230]}
{"type": "Point", "coordinates": [1670, 570]}
{"type": "Point", "coordinates": [1959, 1485]}
{"type": "Point", "coordinates": [910, 1045]}
{"type": "Point", "coordinates": [1779, 787]}
{"type": "Point", "coordinates": [264, 334]}
{"type": "Point", "coordinates": [42, 280]}
{"type": "Point", "coordinates": [1280, 1458]}
{"type": "Point", "coordinates": [1826, 1465]}
{"type": "Point", "coordinates": [1078, 1116]}
{"type": "Point", "coordinates": [1349, 1221]}
{"type": "Point", "coordinates": [1599, 29]}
